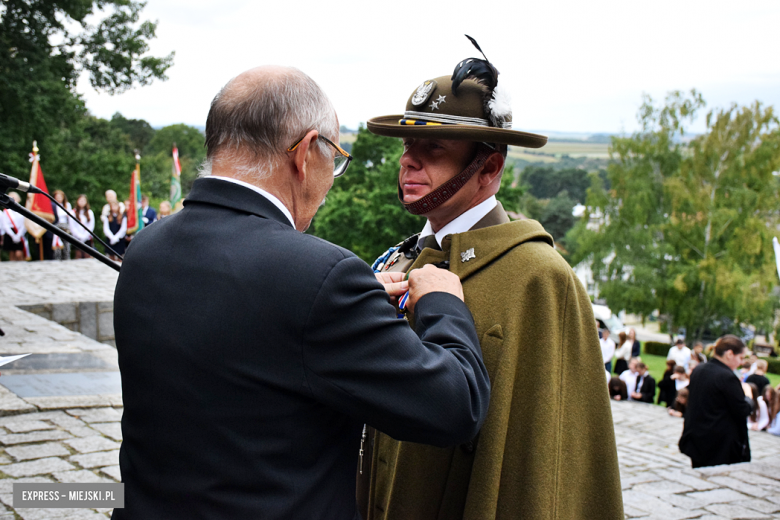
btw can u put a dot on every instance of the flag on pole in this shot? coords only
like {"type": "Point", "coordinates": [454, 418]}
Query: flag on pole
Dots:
{"type": "Point", "coordinates": [175, 179]}
{"type": "Point", "coordinates": [776, 245]}
{"type": "Point", "coordinates": [134, 211]}
{"type": "Point", "coordinates": [38, 203]}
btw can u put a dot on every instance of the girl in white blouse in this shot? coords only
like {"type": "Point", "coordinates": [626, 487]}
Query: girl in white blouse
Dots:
{"type": "Point", "coordinates": [86, 217]}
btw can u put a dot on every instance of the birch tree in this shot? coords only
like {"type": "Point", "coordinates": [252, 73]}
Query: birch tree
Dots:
{"type": "Point", "coordinates": [686, 227]}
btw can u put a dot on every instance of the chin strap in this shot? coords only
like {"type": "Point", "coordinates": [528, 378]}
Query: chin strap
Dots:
{"type": "Point", "coordinates": [446, 191]}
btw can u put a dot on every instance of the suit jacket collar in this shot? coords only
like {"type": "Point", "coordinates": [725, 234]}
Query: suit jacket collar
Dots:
{"type": "Point", "coordinates": [720, 364]}
{"type": "Point", "coordinates": [474, 250]}
{"type": "Point", "coordinates": [236, 197]}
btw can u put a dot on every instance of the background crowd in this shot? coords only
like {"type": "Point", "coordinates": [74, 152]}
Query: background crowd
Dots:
{"type": "Point", "coordinates": [631, 380]}
{"type": "Point", "coordinates": [78, 219]}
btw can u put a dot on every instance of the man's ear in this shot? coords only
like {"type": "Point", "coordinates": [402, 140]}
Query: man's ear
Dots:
{"type": "Point", "coordinates": [491, 170]}
{"type": "Point", "coordinates": [301, 155]}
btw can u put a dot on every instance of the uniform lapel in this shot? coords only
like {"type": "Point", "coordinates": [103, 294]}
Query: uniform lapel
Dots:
{"type": "Point", "coordinates": [477, 248]}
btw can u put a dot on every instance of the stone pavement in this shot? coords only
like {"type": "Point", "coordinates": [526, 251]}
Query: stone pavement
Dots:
{"type": "Point", "coordinates": [658, 482]}
{"type": "Point", "coordinates": [75, 438]}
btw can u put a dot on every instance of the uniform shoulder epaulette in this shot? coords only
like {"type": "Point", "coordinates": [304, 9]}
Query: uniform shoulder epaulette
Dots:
{"type": "Point", "coordinates": [406, 247]}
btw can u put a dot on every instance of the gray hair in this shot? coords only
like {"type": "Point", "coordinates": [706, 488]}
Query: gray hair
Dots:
{"type": "Point", "coordinates": [252, 123]}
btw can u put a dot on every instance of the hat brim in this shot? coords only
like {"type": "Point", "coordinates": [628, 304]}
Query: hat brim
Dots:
{"type": "Point", "coordinates": [388, 126]}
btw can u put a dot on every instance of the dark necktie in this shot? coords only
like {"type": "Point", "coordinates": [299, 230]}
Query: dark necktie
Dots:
{"type": "Point", "coordinates": [429, 241]}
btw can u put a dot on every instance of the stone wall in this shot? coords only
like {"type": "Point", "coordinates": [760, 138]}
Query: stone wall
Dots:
{"type": "Point", "coordinates": [92, 319]}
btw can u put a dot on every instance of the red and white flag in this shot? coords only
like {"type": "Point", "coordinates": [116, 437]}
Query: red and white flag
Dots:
{"type": "Point", "coordinates": [38, 203]}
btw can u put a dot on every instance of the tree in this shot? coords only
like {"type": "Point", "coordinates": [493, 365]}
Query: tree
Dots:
{"type": "Point", "coordinates": [157, 161]}
{"type": "Point", "coordinates": [556, 217]}
{"type": "Point", "coordinates": [139, 131]}
{"type": "Point", "coordinates": [89, 156]}
{"type": "Point", "coordinates": [547, 183]}
{"type": "Point", "coordinates": [38, 77]}
{"type": "Point", "coordinates": [685, 228]}
{"type": "Point", "coordinates": [511, 192]}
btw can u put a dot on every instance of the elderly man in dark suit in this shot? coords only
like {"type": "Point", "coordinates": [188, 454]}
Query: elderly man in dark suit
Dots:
{"type": "Point", "coordinates": [715, 430]}
{"type": "Point", "coordinates": [251, 353]}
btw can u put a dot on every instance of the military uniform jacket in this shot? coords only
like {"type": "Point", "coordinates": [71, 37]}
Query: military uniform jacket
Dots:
{"type": "Point", "coordinates": [547, 448]}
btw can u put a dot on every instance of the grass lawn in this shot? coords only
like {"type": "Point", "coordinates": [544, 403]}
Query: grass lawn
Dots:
{"type": "Point", "coordinates": [657, 364]}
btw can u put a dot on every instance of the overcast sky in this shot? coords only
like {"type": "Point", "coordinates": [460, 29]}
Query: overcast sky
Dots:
{"type": "Point", "coordinates": [570, 65]}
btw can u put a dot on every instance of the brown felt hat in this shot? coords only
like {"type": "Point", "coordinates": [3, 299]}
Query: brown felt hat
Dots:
{"type": "Point", "coordinates": [434, 111]}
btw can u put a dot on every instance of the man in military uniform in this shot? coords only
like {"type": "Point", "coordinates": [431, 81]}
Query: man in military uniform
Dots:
{"type": "Point", "coordinates": [547, 449]}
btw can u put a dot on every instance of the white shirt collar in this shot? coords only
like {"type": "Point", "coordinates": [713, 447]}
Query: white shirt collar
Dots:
{"type": "Point", "coordinates": [275, 201]}
{"type": "Point", "coordinates": [461, 223]}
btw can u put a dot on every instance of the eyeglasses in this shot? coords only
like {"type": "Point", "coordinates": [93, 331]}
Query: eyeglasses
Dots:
{"type": "Point", "coordinates": [340, 162]}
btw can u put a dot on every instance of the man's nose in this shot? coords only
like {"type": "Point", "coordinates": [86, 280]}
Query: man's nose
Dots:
{"type": "Point", "coordinates": [410, 160]}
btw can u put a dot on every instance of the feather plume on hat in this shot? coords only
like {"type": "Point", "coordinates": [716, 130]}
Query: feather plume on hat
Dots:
{"type": "Point", "coordinates": [498, 104]}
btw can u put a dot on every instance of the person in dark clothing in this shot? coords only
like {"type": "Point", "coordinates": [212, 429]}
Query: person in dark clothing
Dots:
{"type": "Point", "coordinates": [617, 389]}
{"type": "Point", "coordinates": [252, 353]}
{"type": "Point", "coordinates": [666, 388]}
{"type": "Point", "coordinates": [758, 378]}
{"type": "Point", "coordinates": [698, 352]}
{"type": "Point", "coordinates": [636, 348]}
{"type": "Point", "coordinates": [115, 229]}
{"type": "Point", "coordinates": [677, 409]}
{"type": "Point", "coordinates": [645, 385]}
{"type": "Point", "coordinates": [715, 430]}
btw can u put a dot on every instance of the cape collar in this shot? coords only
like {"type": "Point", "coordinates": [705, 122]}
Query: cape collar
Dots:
{"type": "Point", "coordinates": [236, 197]}
{"type": "Point", "coordinates": [475, 249]}
{"type": "Point", "coordinates": [487, 240]}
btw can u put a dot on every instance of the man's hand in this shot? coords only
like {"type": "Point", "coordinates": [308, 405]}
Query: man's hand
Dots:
{"type": "Point", "coordinates": [394, 283]}
{"type": "Point", "coordinates": [432, 279]}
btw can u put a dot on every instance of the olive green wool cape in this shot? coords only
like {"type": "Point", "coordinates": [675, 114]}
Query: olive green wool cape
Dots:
{"type": "Point", "coordinates": [547, 448]}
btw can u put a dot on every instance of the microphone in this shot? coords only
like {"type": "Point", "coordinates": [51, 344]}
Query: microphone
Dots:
{"type": "Point", "coordinates": [15, 184]}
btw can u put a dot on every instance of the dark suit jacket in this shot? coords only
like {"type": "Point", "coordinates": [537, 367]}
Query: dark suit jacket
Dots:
{"type": "Point", "coordinates": [150, 215]}
{"type": "Point", "coordinates": [646, 387]}
{"type": "Point", "coordinates": [715, 430]}
{"type": "Point", "coordinates": [251, 355]}
{"type": "Point", "coordinates": [636, 349]}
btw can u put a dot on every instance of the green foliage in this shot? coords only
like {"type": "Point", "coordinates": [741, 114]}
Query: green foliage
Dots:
{"type": "Point", "coordinates": [511, 192]}
{"type": "Point", "coordinates": [139, 131]}
{"type": "Point", "coordinates": [90, 157]}
{"type": "Point", "coordinates": [362, 212]}
{"type": "Point", "coordinates": [774, 366]}
{"type": "Point", "coordinates": [556, 216]}
{"type": "Point", "coordinates": [656, 348]}
{"type": "Point", "coordinates": [686, 228]}
{"type": "Point", "coordinates": [157, 163]}
{"type": "Point", "coordinates": [548, 182]}
{"type": "Point", "coordinates": [38, 78]}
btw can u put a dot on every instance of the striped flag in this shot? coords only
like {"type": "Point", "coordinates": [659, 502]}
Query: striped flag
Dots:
{"type": "Point", "coordinates": [175, 179]}
{"type": "Point", "coordinates": [134, 211]}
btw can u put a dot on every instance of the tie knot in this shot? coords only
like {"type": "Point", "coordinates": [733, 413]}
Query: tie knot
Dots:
{"type": "Point", "coordinates": [430, 242]}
